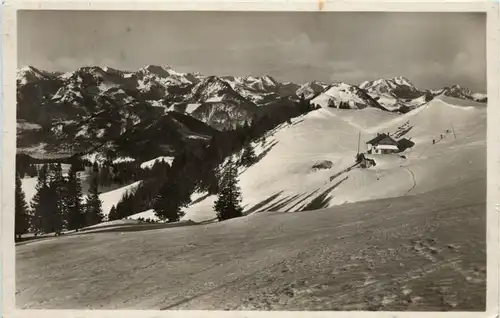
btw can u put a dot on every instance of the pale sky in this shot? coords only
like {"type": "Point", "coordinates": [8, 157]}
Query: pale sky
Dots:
{"type": "Point", "coordinates": [430, 49]}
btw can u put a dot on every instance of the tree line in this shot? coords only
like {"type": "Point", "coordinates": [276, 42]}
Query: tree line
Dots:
{"type": "Point", "coordinates": [58, 204]}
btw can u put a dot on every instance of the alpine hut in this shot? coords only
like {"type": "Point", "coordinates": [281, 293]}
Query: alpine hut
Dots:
{"type": "Point", "coordinates": [382, 144]}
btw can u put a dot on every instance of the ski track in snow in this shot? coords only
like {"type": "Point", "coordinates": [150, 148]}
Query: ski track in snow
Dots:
{"type": "Point", "coordinates": [413, 179]}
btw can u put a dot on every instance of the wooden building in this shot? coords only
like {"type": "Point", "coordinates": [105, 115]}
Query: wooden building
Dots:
{"type": "Point", "coordinates": [382, 144]}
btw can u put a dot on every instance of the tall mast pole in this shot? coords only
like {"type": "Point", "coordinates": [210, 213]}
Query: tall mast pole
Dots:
{"type": "Point", "coordinates": [359, 140]}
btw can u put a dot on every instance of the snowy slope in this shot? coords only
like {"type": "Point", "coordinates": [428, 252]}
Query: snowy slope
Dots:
{"type": "Point", "coordinates": [112, 197]}
{"type": "Point", "coordinates": [28, 185]}
{"type": "Point", "coordinates": [479, 96]}
{"type": "Point", "coordinates": [286, 179]}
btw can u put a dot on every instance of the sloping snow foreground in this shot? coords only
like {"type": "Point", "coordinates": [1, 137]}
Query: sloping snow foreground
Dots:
{"type": "Point", "coordinates": [283, 180]}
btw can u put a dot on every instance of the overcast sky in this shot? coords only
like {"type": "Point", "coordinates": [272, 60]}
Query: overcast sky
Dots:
{"type": "Point", "coordinates": [430, 49]}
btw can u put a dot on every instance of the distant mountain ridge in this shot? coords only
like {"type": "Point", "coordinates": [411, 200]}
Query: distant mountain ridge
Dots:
{"type": "Point", "coordinates": [92, 105]}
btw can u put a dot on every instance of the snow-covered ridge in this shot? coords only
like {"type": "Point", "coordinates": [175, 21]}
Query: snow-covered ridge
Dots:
{"type": "Point", "coordinates": [257, 89]}
{"type": "Point", "coordinates": [311, 89]}
{"type": "Point", "coordinates": [30, 74]}
{"type": "Point", "coordinates": [342, 95]}
{"type": "Point", "coordinates": [388, 86]}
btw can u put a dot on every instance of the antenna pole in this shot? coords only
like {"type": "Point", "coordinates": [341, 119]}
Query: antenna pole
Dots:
{"type": "Point", "coordinates": [359, 140]}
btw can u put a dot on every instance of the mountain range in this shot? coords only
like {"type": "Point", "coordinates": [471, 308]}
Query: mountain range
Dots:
{"type": "Point", "coordinates": [162, 110]}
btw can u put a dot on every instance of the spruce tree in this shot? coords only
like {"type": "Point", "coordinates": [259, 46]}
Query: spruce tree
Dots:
{"type": "Point", "coordinates": [248, 157]}
{"type": "Point", "coordinates": [36, 207]}
{"type": "Point", "coordinates": [228, 203]}
{"type": "Point", "coordinates": [73, 198]}
{"type": "Point", "coordinates": [93, 205]}
{"type": "Point", "coordinates": [170, 200]}
{"type": "Point", "coordinates": [22, 217]}
{"type": "Point", "coordinates": [57, 188]}
{"type": "Point", "coordinates": [42, 203]}
{"type": "Point", "coordinates": [112, 214]}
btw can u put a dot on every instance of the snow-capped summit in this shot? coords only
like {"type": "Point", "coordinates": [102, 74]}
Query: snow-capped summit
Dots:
{"type": "Point", "coordinates": [311, 89]}
{"type": "Point", "coordinates": [457, 91]}
{"type": "Point", "coordinates": [265, 82]}
{"type": "Point", "coordinates": [461, 92]}
{"type": "Point", "coordinates": [153, 70]}
{"type": "Point", "coordinates": [259, 90]}
{"type": "Point", "coordinates": [164, 77]}
{"type": "Point", "coordinates": [262, 84]}
{"type": "Point", "coordinates": [213, 89]}
{"type": "Point", "coordinates": [395, 93]}
{"type": "Point", "coordinates": [30, 74]}
{"type": "Point", "coordinates": [400, 80]}
{"type": "Point", "coordinates": [480, 97]}
{"type": "Point", "coordinates": [399, 87]}
{"type": "Point", "coordinates": [342, 95]}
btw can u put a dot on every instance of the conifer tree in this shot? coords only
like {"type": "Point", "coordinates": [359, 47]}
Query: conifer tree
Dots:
{"type": "Point", "coordinates": [93, 205]}
{"type": "Point", "coordinates": [73, 198]}
{"type": "Point", "coordinates": [112, 214]}
{"type": "Point", "coordinates": [42, 202]}
{"type": "Point", "coordinates": [58, 192]}
{"type": "Point", "coordinates": [170, 200]}
{"type": "Point", "coordinates": [22, 217]}
{"type": "Point", "coordinates": [248, 157]}
{"type": "Point", "coordinates": [228, 203]}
